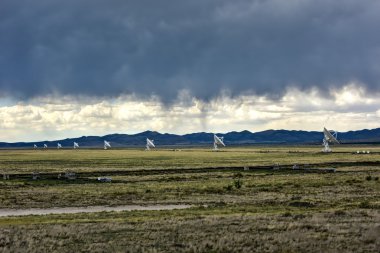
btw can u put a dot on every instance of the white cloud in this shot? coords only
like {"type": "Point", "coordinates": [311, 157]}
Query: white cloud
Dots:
{"type": "Point", "coordinates": [349, 108]}
{"type": "Point", "coordinates": [352, 95]}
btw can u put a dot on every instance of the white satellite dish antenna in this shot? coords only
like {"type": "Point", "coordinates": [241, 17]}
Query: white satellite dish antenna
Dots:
{"type": "Point", "coordinates": [218, 141]}
{"type": "Point", "coordinates": [35, 146]}
{"type": "Point", "coordinates": [76, 145]}
{"type": "Point", "coordinates": [329, 137]}
{"type": "Point", "coordinates": [106, 144]}
{"type": "Point", "coordinates": [149, 144]}
{"type": "Point", "coordinates": [59, 145]}
{"type": "Point", "coordinates": [45, 146]}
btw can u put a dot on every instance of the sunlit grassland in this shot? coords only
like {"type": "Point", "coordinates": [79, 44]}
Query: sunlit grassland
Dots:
{"type": "Point", "coordinates": [183, 185]}
{"type": "Point", "coordinates": [26, 161]}
{"type": "Point", "coordinates": [335, 189]}
{"type": "Point", "coordinates": [235, 210]}
{"type": "Point", "coordinates": [216, 229]}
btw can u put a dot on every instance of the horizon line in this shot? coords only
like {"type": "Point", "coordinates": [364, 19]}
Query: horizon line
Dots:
{"type": "Point", "coordinates": [86, 136]}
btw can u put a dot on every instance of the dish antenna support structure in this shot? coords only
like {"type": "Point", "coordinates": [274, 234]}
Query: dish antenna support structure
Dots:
{"type": "Point", "coordinates": [35, 146]}
{"type": "Point", "coordinates": [218, 141]}
{"type": "Point", "coordinates": [76, 145]}
{"type": "Point", "coordinates": [106, 144]}
{"type": "Point", "coordinates": [329, 137]}
{"type": "Point", "coordinates": [59, 145]}
{"type": "Point", "coordinates": [149, 144]}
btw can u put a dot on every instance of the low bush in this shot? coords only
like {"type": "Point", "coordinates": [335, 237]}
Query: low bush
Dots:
{"type": "Point", "coordinates": [238, 184]}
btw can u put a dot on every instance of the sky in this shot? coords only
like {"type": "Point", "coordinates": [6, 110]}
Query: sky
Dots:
{"type": "Point", "coordinates": [95, 67]}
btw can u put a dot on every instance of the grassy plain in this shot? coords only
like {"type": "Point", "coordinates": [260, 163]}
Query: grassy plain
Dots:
{"type": "Point", "coordinates": [52, 160]}
{"type": "Point", "coordinates": [235, 210]}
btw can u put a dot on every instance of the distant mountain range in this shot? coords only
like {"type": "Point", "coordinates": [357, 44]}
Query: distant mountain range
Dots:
{"type": "Point", "coordinates": [201, 139]}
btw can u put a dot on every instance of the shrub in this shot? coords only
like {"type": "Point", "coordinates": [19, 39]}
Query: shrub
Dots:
{"type": "Point", "coordinates": [339, 212]}
{"type": "Point", "coordinates": [365, 204]}
{"type": "Point", "coordinates": [238, 184]}
{"type": "Point", "coordinates": [229, 188]}
{"type": "Point", "coordinates": [299, 216]}
{"type": "Point", "coordinates": [368, 178]}
{"type": "Point", "coordinates": [301, 204]}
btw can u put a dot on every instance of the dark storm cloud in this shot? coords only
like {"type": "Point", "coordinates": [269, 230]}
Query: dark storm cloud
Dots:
{"type": "Point", "coordinates": [110, 47]}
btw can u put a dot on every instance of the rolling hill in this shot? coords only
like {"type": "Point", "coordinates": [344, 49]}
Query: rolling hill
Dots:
{"type": "Point", "coordinates": [202, 138]}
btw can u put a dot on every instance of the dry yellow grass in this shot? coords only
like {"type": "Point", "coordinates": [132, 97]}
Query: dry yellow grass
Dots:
{"type": "Point", "coordinates": [236, 210]}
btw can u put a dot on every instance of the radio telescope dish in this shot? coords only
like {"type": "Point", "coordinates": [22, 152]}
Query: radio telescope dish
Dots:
{"type": "Point", "coordinates": [59, 145]}
{"type": "Point", "coordinates": [106, 144]}
{"type": "Point", "coordinates": [329, 137]}
{"type": "Point", "coordinates": [149, 144]}
{"type": "Point", "coordinates": [45, 146]}
{"type": "Point", "coordinates": [76, 145]}
{"type": "Point", "coordinates": [35, 146]}
{"type": "Point", "coordinates": [218, 141]}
